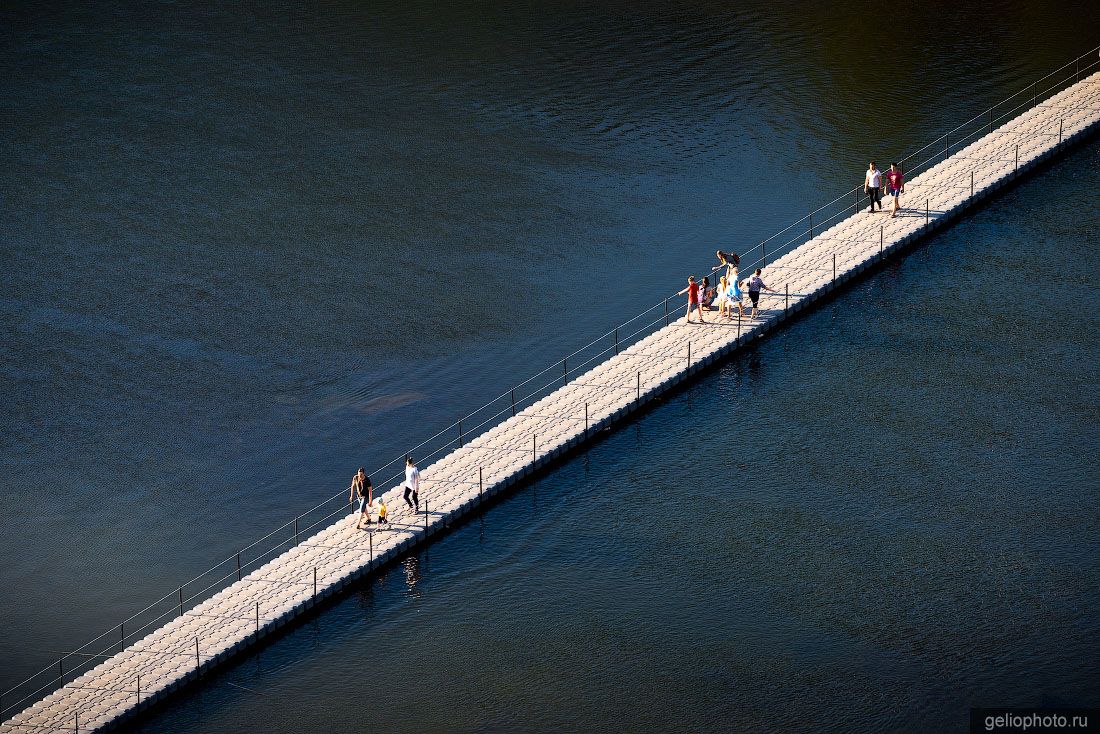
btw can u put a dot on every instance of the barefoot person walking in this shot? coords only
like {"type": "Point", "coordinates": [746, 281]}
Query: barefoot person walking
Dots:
{"type": "Point", "coordinates": [895, 183]}
{"type": "Point", "coordinates": [362, 490]}
{"type": "Point", "coordinates": [872, 186]}
{"type": "Point", "coordinates": [412, 484]}
{"type": "Point", "coordinates": [693, 299]}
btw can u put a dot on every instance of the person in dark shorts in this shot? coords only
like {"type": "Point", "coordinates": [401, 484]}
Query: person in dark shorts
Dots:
{"type": "Point", "coordinates": [756, 284]}
{"type": "Point", "coordinates": [382, 512]}
{"type": "Point", "coordinates": [362, 490]}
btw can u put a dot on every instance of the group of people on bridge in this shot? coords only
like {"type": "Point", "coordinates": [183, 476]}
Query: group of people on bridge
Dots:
{"type": "Point", "coordinates": [702, 297]}
{"type": "Point", "coordinates": [730, 292]}
{"type": "Point", "coordinates": [362, 491]}
{"type": "Point", "coordinates": [895, 186]}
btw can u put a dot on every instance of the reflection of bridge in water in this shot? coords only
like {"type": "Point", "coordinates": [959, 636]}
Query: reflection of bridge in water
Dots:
{"type": "Point", "coordinates": [658, 351]}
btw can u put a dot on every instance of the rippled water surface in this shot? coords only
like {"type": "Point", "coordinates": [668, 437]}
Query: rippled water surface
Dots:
{"type": "Point", "coordinates": [248, 248]}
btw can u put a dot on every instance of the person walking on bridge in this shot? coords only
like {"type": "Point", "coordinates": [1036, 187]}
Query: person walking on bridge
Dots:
{"type": "Point", "coordinates": [693, 299]}
{"type": "Point", "coordinates": [361, 488]}
{"type": "Point", "coordinates": [895, 182]}
{"type": "Point", "coordinates": [730, 292]}
{"type": "Point", "coordinates": [756, 284]}
{"type": "Point", "coordinates": [872, 186]}
{"type": "Point", "coordinates": [412, 484]}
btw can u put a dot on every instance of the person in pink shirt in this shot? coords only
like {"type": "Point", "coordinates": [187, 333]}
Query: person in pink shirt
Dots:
{"type": "Point", "coordinates": [895, 184]}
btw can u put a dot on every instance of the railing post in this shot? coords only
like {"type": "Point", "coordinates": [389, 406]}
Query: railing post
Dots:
{"type": "Point", "coordinates": [881, 238]}
{"type": "Point", "coordinates": [513, 402]}
{"type": "Point", "coordinates": [856, 209]}
{"type": "Point", "coordinates": [370, 540]}
{"type": "Point", "coordinates": [786, 296]}
{"type": "Point", "coordinates": [1034, 96]}
{"type": "Point", "coordinates": [639, 386]}
{"type": "Point", "coordinates": [181, 601]}
{"type": "Point", "coordinates": [972, 182]}
{"type": "Point", "coordinates": [586, 419]}
{"type": "Point", "coordinates": [689, 354]}
{"type": "Point", "coordinates": [425, 515]}
{"type": "Point", "coordinates": [991, 119]}
{"type": "Point", "coordinates": [61, 670]}
{"type": "Point", "coordinates": [238, 566]}
{"type": "Point", "coordinates": [763, 259]}
{"type": "Point", "coordinates": [947, 145]}
{"type": "Point", "coordinates": [460, 433]}
{"type": "Point", "coordinates": [76, 722]}
{"type": "Point", "coordinates": [315, 577]}
{"type": "Point", "coordinates": [834, 268]}
{"type": "Point", "coordinates": [565, 371]}
{"type": "Point", "coordinates": [139, 688]}
{"type": "Point", "coordinates": [927, 212]}
{"type": "Point", "coordinates": [1017, 169]}
{"type": "Point", "coordinates": [666, 312]}
{"type": "Point", "coordinates": [122, 637]}
{"type": "Point", "coordinates": [811, 225]}
{"type": "Point", "coordinates": [616, 340]}
{"type": "Point", "coordinates": [257, 617]}
{"type": "Point", "coordinates": [1060, 121]}
{"type": "Point", "coordinates": [480, 481]}
{"type": "Point", "coordinates": [197, 654]}
{"type": "Point", "coordinates": [534, 447]}
{"type": "Point", "coordinates": [738, 325]}
{"type": "Point", "coordinates": [296, 530]}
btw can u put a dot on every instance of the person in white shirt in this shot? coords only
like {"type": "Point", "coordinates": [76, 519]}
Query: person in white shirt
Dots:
{"type": "Point", "coordinates": [412, 484]}
{"type": "Point", "coordinates": [756, 284]}
{"type": "Point", "coordinates": [872, 186]}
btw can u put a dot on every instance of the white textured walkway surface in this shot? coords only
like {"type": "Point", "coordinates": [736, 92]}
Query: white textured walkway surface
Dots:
{"type": "Point", "coordinates": [275, 593]}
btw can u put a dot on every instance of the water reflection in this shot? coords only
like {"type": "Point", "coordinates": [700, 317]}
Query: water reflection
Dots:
{"type": "Point", "coordinates": [411, 568]}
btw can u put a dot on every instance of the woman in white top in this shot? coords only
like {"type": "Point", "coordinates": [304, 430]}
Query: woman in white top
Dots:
{"type": "Point", "coordinates": [872, 186]}
{"type": "Point", "coordinates": [412, 484]}
{"type": "Point", "coordinates": [723, 297]}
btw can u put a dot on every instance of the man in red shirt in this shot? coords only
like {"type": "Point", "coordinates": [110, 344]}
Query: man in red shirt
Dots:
{"type": "Point", "coordinates": [693, 299]}
{"type": "Point", "coordinates": [895, 184]}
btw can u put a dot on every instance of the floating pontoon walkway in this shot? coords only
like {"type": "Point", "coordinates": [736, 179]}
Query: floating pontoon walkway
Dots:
{"type": "Point", "coordinates": [321, 565]}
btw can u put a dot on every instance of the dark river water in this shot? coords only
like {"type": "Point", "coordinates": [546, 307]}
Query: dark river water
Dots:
{"type": "Point", "coordinates": [248, 248]}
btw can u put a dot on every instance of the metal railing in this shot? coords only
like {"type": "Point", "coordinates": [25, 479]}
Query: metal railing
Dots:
{"type": "Point", "coordinates": [507, 404]}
